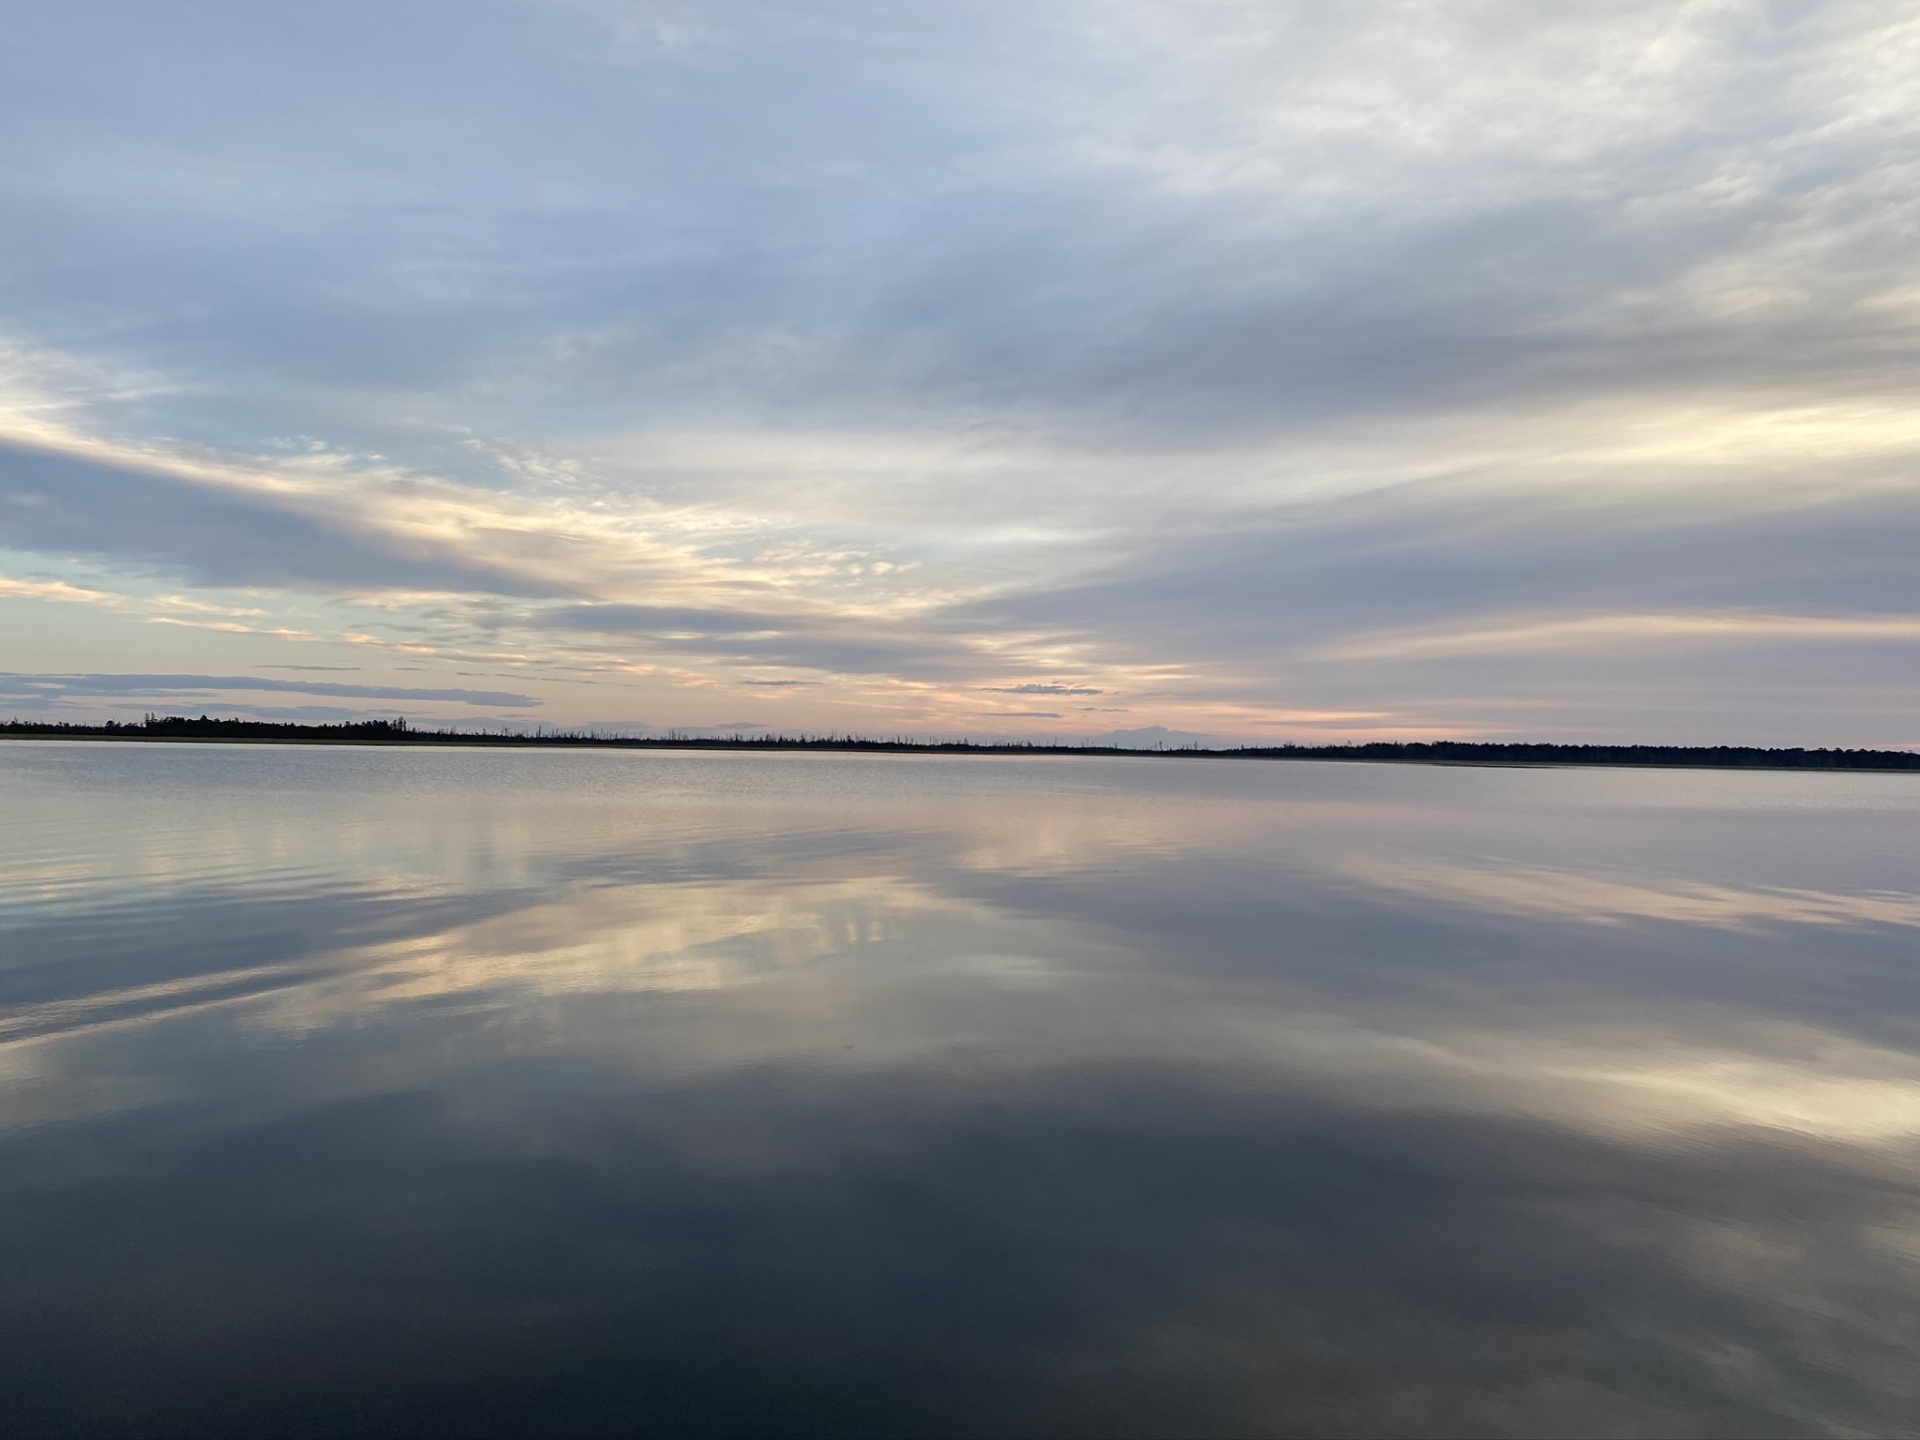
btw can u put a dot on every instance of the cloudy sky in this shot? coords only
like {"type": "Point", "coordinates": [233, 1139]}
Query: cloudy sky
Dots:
{"type": "Point", "coordinates": [1263, 371]}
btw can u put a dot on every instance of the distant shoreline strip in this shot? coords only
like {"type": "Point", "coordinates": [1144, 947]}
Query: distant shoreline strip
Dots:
{"type": "Point", "coordinates": [1421, 752]}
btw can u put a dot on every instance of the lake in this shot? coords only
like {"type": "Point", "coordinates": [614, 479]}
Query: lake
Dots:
{"type": "Point", "coordinates": [381, 1091]}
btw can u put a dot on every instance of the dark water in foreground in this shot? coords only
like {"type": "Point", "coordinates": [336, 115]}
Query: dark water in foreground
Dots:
{"type": "Point", "coordinates": [372, 1092]}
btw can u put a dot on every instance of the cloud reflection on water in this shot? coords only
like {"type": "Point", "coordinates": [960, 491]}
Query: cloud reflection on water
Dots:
{"type": "Point", "coordinates": [1595, 900]}
{"type": "Point", "coordinates": [722, 1094]}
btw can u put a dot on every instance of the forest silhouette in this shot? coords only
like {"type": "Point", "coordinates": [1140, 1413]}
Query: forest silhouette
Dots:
{"type": "Point", "coordinates": [1430, 752]}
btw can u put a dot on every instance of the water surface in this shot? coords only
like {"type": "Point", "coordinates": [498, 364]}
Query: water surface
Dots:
{"type": "Point", "coordinates": [379, 1091]}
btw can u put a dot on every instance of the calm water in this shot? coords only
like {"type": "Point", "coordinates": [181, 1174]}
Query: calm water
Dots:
{"type": "Point", "coordinates": [374, 1092]}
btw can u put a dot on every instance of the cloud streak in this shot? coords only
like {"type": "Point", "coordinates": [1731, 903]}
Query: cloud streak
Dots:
{"type": "Point", "coordinates": [177, 687]}
{"type": "Point", "coordinates": [1232, 366]}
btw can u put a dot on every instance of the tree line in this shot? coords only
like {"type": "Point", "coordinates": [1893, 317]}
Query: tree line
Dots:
{"type": "Point", "coordinates": [1432, 752]}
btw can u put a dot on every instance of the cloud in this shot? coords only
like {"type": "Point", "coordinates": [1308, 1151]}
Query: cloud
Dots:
{"type": "Point", "coordinates": [803, 638]}
{"type": "Point", "coordinates": [15, 686]}
{"type": "Point", "coordinates": [1040, 689]}
{"type": "Point", "coordinates": [1535, 632]}
{"type": "Point", "coordinates": [1244, 362]}
{"type": "Point", "coordinates": [1645, 611]}
{"type": "Point", "coordinates": [222, 534]}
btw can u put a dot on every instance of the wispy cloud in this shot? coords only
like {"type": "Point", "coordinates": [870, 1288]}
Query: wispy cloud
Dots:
{"type": "Point", "coordinates": [1042, 689]}
{"type": "Point", "coordinates": [1629, 632]}
{"type": "Point", "coordinates": [1241, 364]}
{"type": "Point", "coordinates": [15, 686]}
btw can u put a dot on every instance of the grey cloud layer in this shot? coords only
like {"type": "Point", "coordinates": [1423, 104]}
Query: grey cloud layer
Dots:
{"type": "Point", "coordinates": [1166, 248]}
{"type": "Point", "coordinates": [70, 504]}
{"type": "Point", "coordinates": [177, 687]}
{"type": "Point", "coordinates": [797, 638]}
{"type": "Point", "coordinates": [861, 214]}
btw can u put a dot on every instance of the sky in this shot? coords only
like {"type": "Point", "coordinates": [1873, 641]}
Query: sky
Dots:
{"type": "Point", "coordinates": [1156, 368]}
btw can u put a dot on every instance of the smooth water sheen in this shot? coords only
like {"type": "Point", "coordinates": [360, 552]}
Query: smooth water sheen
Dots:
{"type": "Point", "coordinates": [372, 1091]}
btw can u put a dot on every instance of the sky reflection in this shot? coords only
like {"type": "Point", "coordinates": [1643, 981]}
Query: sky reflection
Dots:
{"type": "Point", "coordinates": [546, 1093]}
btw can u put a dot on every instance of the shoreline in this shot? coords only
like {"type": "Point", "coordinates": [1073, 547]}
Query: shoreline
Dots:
{"type": "Point", "coordinates": [1493, 754]}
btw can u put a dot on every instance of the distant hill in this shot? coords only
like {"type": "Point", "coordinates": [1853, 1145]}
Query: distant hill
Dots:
{"type": "Point", "coordinates": [1156, 737]}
